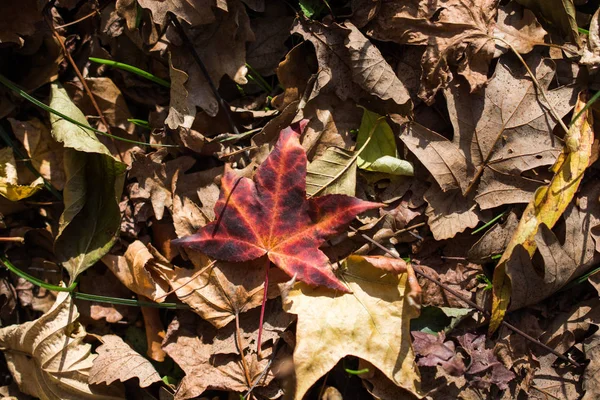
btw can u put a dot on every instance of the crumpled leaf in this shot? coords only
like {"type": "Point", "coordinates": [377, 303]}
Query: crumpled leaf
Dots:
{"type": "Point", "coordinates": [456, 32]}
{"type": "Point", "coordinates": [211, 360]}
{"type": "Point", "coordinates": [350, 64]}
{"type": "Point", "coordinates": [561, 13]}
{"type": "Point", "coordinates": [374, 321]}
{"type": "Point", "coordinates": [142, 270]}
{"type": "Point", "coordinates": [273, 217]}
{"type": "Point", "coordinates": [9, 186]}
{"type": "Point", "coordinates": [90, 223]}
{"type": "Point", "coordinates": [226, 37]}
{"type": "Point", "coordinates": [433, 350]}
{"type": "Point", "coordinates": [45, 153]}
{"type": "Point", "coordinates": [380, 153]}
{"type": "Point", "coordinates": [591, 52]}
{"type": "Point", "coordinates": [48, 358]}
{"type": "Point", "coordinates": [118, 361]}
{"type": "Point", "coordinates": [547, 206]}
{"type": "Point", "coordinates": [495, 131]}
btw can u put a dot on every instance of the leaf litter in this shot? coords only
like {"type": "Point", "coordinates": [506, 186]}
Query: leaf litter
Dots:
{"type": "Point", "coordinates": [296, 212]}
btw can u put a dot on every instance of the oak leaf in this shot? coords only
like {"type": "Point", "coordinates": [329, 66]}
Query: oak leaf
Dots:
{"type": "Point", "coordinates": [372, 323]}
{"type": "Point", "coordinates": [48, 358]}
{"type": "Point", "coordinates": [273, 217]}
{"type": "Point", "coordinates": [118, 361]}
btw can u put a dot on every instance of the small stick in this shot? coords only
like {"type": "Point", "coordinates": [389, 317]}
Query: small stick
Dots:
{"type": "Point", "coordinates": [240, 347]}
{"type": "Point", "coordinates": [188, 43]}
{"type": "Point", "coordinates": [470, 303]}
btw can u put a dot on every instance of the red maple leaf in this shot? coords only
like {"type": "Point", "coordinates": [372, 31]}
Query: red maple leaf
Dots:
{"type": "Point", "coordinates": [273, 217]}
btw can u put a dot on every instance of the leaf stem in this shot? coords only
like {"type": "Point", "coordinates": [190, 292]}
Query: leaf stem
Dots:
{"type": "Point", "coordinates": [240, 348]}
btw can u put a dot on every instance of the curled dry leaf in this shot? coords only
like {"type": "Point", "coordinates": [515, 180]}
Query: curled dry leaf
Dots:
{"type": "Point", "coordinates": [142, 270]}
{"type": "Point", "coordinates": [372, 323]}
{"type": "Point", "coordinates": [48, 358]}
{"type": "Point", "coordinates": [118, 361]}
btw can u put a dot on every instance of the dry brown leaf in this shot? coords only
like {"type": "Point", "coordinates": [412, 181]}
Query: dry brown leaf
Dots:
{"type": "Point", "coordinates": [493, 241]}
{"type": "Point", "coordinates": [494, 133]}
{"type": "Point", "coordinates": [155, 176]}
{"type": "Point", "coordinates": [590, 383]}
{"type": "Point", "coordinates": [192, 12]}
{"type": "Point", "coordinates": [118, 361]}
{"type": "Point", "coordinates": [371, 323]}
{"type": "Point", "coordinates": [104, 283]}
{"type": "Point", "coordinates": [455, 32]}
{"type": "Point", "coordinates": [519, 27]}
{"type": "Point", "coordinates": [272, 30]}
{"type": "Point", "coordinates": [155, 332]}
{"type": "Point", "coordinates": [45, 153]}
{"type": "Point", "coordinates": [225, 290]}
{"type": "Point", "coordinates": [141, 270]}
{"type": "Point", "coordinates": [211, 359]}
{"type": "Point", "coordinates": [48, 358]}
{"type": "Point", "coordinates": [222, 47]}
{"type": "Point", "coordinates": [448, 213]}
{"type": "Point", "coordinates": [293, 73]}
{"type": "Point", "coordinates": [19, 20]}
{"type": "Point", "coordinates": [350, 65]}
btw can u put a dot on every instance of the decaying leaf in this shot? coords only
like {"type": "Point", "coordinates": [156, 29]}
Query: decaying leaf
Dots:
{"type": "Point", "coordinates": [48, 358]}
{"type": "Point", "coordinates": [547, 205]}
{"type": "Point", "coordinates": [194, 13]}
{"type": "Point", "coordinates": [273, 217]}
{"type": "Point", "coordinates": [373, 321]}
{"type": "Point", "coordinates": [332, 173]}
{"type": "Point", "coordinates": [91, 220]}
{"type": "Point", "coordinates": [118, 361]}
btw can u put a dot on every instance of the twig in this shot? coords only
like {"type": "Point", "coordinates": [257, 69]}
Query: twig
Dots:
{"type": "Point", "coordinates": [12, 239]}
{"type": "Point", "coordinates": [470, 303]}
{"type": "Point", "coordinates": [78, 20]}
{"type": "Point", "coordinates": [188, 43]}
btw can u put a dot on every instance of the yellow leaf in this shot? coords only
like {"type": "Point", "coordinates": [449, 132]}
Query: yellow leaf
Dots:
{"type": "Point", "coordinates": [9, 186]}
{"type": "Point", "coordinates": [48, 358]}
{"type": "Point", "coordinates": [548, 204]}
{"type": "Point", "coordinates": [372, 323]}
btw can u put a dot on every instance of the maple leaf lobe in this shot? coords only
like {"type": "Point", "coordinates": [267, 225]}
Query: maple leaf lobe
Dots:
{"type": "Point", "coordinates": [272, 216]}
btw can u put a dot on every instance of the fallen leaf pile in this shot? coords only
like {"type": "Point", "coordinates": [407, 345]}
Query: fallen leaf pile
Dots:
{"type": "Point", "coordinates": [306, 199]}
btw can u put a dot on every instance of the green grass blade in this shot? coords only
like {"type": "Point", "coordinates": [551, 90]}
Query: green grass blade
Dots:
{"type": "Point", "coordinates": [12, 86]}
{"type": "Point", "coordinates": [132, 69]}
{"type": "Point", "coordinates": [33, 279]}
{"type": "Point", "coordinates": [587, 105]}
{"type": "Point", "coordinates": [584, 31]}
{"type": "Point", "coordinates": [496, 218]}
{"type": "Point", "coordinates": [126, 302]}
{"type": "Point", "coordinates": [142, 123]}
